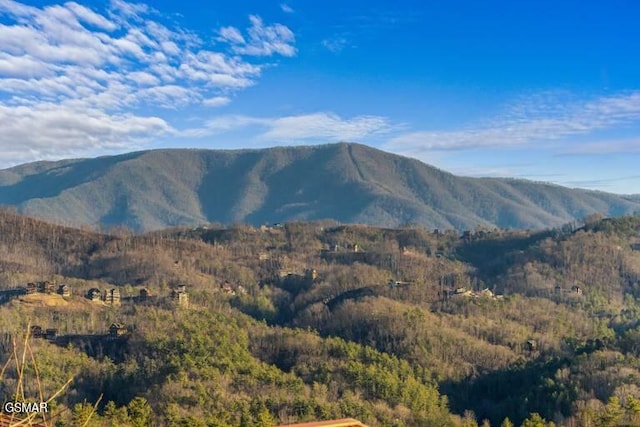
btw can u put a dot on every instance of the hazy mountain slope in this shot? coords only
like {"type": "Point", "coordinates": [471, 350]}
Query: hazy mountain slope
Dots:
{"type": "Point", "coordinates": [346, 182]}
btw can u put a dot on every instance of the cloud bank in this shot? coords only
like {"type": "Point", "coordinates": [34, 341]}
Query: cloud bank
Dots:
{"type": "Point", "coordinates": [543, 118]}
{"type": "Point", "coordinates": [74, 79]}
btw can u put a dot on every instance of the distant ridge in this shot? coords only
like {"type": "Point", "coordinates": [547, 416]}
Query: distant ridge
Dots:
{"type": "Point", "coordinates": [346, 182]}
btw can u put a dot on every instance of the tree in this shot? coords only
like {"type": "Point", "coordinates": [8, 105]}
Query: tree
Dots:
{"type": "Point", "coordinates": [535, 420]}
{"type": "Point", "coordinates": [139, 412]}
{"type": "Point", "coordinates": [115, 416]}
{"type": "Point", "coordinates": [506, 423]}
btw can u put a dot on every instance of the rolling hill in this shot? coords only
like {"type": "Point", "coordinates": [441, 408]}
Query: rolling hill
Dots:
{"type": "Point", "coordinates": [350, 183]}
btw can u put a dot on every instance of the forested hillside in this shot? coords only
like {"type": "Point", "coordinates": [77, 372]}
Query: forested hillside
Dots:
{"type": "Point", "coordinates": [306, 321]}
{"type": "Point", "coordinates": [350, 183]}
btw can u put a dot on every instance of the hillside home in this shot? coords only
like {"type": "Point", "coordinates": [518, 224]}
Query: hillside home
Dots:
{"type": "Point", "coordinates": [36, 331]}
{"type": "Point", "coordinates": [113, 296]}
{"type": "Point", "coordinates": [227, 288]}
{"type": "Point", "coordinates": [46, 287]}
{"type": "Point", "coordinates": [64, 290]}
{"type": "Point", "coordinates": [311, 274]}
{"type": "Point", "coordinates": [31, 288]}
{"type": "Point", "coordinates": [94, 295]}
{"type": "Point", "coordinates": [180, 296]}
{"type": "Point", "coordinates": [117, 330]}
{"type": "Point", "coordinates": [144, 294]}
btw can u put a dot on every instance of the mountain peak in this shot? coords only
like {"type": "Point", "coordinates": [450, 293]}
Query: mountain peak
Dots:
{"type": "Point", "coordinates": [347, 182]}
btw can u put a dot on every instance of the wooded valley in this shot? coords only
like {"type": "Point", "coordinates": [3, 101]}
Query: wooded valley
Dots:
{"type": "Point", "coordinates": [305, 321]}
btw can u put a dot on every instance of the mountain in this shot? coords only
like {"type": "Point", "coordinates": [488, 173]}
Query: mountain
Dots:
{"type": "Point", "coordinates": [350, 183]}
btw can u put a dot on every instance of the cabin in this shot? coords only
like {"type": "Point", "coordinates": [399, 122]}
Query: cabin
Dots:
{"type": "Point", "coordinates": [486, 293]}
{"type": "Point", "coordinates": [144, 294]}
{"type": "Point", "coordinates": [531, 345]}
{"type": "Point", "coordinates": [113, 296]}
{"type": "Point", "coordinates": [311, 274]}
{"type": "Point", "coordinates": [64, 290]}
{"type": "Point", "coordinates": [94, 294]}
{"type": "Point", "coordinates": [36, 331]}
{"type": "Point", "coordinates": [117, 330]}
{"type": "Point", "coordinates": [46, 287]}
{"type": "Point", "coordinates": [226, 288]}
{"type": "Point", "coordinates": [180, 296]}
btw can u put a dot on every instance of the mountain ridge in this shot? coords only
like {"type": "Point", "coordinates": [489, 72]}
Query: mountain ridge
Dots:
{"type": "Point", "coordinates": [346, 182]}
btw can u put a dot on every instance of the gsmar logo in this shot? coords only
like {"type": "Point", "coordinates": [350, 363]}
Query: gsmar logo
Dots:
{"type": "Point", "coordinates": [25, 407]}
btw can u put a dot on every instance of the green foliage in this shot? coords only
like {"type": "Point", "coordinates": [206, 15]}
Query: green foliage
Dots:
{"type": "Point", "coordinates": [343, 344]}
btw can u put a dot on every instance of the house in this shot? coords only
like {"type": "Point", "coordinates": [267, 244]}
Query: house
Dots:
{"type": "Point", "coordinates": [486, 293]}
{"type": "Point", "coordinates": [531, 345]}
{"type": "Point", "coordinates": [113, 296]}
{"type": "Point", "coordinates": [94, 294]}
{"type": "Point", "coordinates": [117, 330]}
{"type": "Point", "coordinates": [64, 290]}
{"type": "Point", "coordinates": [46, 287]}
{"type": "Point", "coordinates": [311, 274]}
{"type": "Point", "coordinates": [180, 296]}
{"type": "Point", "coordinates": [226, 288]}
{"type": "Point", "coordinates": [144, 294]}
{"type": "Point", "coordinates": [36, 331]}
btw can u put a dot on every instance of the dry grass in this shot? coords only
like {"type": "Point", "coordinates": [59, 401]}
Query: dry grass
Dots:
{"type": "Point", "coordinates": [22, 358]}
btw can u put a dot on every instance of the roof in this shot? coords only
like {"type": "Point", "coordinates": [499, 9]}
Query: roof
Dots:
{"type": "Point", "coordinates": [344, 422]}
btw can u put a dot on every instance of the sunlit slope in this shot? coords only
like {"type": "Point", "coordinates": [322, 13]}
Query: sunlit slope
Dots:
{"type": "Point", "coordinates": [345, 182]}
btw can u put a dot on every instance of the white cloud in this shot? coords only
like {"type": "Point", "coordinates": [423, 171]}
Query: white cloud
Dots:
{"type": "Point", "coordinates": [325, 126]}
{"type": "Point", "coordinates": [102, 69]}
{"type": "Point", "coordinates": [231, 35]}
{"type": "Point", "coordinates": [322, 127]}
{"type": "Point", "coordinates": [262, 40]}
{"type": "Point", "coordinates": [286, 8]}
{"type": "Point", "coordinates": [216, 101]}
{"type": "Point", "coordinates": [610, 146]}
{"type": "Point", "coordinates": [90, 17]}
{"type": "Point", "coordinates": [335, 45]}
{"type": "Point", "coordinates": [49, 131]}
{"type": "Point", "coordinates": [544, 118]}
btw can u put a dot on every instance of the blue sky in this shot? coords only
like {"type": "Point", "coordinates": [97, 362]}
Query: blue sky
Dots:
{"type": "Point", "coordinates": [543, 90]}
